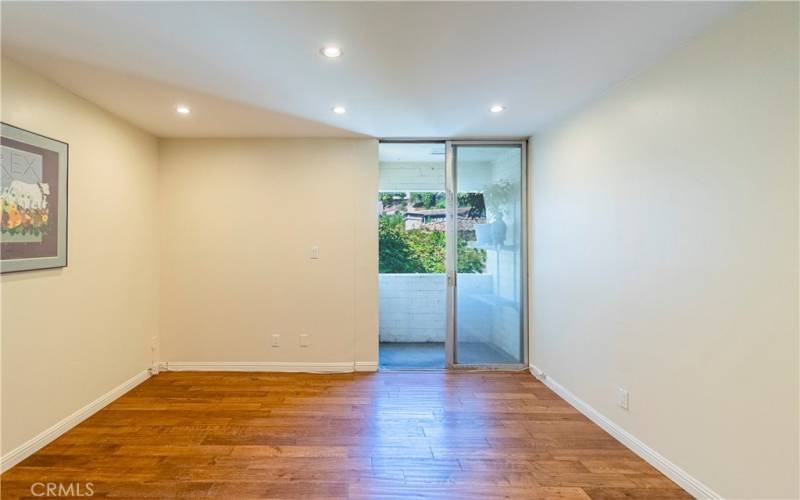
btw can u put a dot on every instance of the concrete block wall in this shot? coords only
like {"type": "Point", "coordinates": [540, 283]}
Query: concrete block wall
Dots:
{"type": "Point", "coordinates": [411, 176]}
{"type": "Point", "coordinates": [413, 307]}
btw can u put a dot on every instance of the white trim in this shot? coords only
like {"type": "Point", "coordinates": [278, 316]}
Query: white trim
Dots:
{"type": "Point", "coordinates": [45, 437]}
{"type": "Point", "coordinates": [259, 366]}
{"type": "Point", "coordinates": [366, 366]}
{"type": "Point", "coordinates": [669, 469]}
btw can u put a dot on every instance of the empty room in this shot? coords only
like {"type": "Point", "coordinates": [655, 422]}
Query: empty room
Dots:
{"type": "Point", "coordinates": [374, 250]}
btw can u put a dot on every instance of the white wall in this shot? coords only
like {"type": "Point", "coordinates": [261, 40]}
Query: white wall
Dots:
{"type": "Point", "coordinates": [411, 176]}
{"type": "Point", "coordinates": [234, 223]}
{"type": "Point", "coordinates": [413, 308]}
{"type": "Point", "coordinates": [397, 176]}
{"type": "Point", "coordinates": [70, 335]}
{"type": "Point", "coordinates": [666, 255]}
{"type": "Point", "coordinates": [237, 221]}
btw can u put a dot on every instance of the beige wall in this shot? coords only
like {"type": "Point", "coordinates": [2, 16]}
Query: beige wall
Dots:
{"type": "Point", "coordinates": [666, 255]}
{"type": "Point", "coordinates": [238, 219]}
{"type": "Point", "coordinates": [235, 225]}
{"type": "Point", "coordinates": [70, 335]}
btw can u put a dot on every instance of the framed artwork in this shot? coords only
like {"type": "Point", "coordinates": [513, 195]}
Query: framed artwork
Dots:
{"type": "Point", "coordinates": [33, 194]}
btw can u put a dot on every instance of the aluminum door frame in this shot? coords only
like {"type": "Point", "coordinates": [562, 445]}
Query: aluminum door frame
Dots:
{"type": "Point", "coordinates": [451, 185]}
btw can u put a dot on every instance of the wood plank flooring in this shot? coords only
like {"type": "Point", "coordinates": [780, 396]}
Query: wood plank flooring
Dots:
{"type": "Point", "coordinates": [379, 435]}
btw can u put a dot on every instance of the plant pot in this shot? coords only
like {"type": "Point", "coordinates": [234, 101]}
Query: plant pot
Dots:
{"type": "Point", "coordinates": [499, 230]}
{"type": "Point", "coordinates": [484, 235]}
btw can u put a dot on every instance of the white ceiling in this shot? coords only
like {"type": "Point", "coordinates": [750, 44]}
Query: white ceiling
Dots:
{"type": "Point", "coordinates": [408, 69]}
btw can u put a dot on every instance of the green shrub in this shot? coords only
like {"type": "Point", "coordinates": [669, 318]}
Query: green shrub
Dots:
{"type": "Point", "coordinates": [422, 250]}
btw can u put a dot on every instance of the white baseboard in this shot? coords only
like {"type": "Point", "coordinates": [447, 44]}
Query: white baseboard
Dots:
{"type": "Point", "coordinates": [366, 366]}
{"type": "Point", "coordinates": [669, 469]}
{"type": "Point", "coordinates": [47, 436]}
{"type": "Point", "coordinates": [258, 366]}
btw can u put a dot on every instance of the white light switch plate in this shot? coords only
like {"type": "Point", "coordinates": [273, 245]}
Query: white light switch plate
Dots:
{"type": "Point", "coordinates": [314, 253]}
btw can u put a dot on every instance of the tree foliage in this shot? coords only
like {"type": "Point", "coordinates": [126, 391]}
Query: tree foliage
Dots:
{"type": "Point", "coordinates": [475, 202]}
{"type": "Point", "coordinates": [428, 200]}
{"type": "Point", "coordinates": [394, 251]}
{"type": "Point", "coordinates": [388, 199]}
{"type": "Point", "coordinates": [422, 250]}
{"type": "Point", "coordinates": [470, 260]}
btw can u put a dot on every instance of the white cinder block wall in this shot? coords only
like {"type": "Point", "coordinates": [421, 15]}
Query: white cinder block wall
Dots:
{"type": "Point", "coordinates": [413, 307]}
{"type": "Point", "coordinates": [411, 176]}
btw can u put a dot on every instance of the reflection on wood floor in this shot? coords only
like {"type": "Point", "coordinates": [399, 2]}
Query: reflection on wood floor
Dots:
{"type": "Point", "coordinates": [380, 435]}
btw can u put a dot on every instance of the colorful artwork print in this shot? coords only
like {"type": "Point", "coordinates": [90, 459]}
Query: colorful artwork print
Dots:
{"type": "Point", "coordinates": [33, 201]}
{"type": "Point", "coordinates": [23, 194]}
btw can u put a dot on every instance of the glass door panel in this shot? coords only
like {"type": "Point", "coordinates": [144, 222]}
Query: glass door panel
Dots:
{"type": "Point", "coordinates": [411, 255]}
{"type": "Point", "coordinates": [487, 294]}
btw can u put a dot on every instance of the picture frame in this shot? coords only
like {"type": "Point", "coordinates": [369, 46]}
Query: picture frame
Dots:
{"type": "Point", "coordinates": [34, 176]}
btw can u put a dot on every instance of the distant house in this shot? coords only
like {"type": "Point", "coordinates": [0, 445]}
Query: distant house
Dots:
{"type": "Point", "coordinates": [435, 219]}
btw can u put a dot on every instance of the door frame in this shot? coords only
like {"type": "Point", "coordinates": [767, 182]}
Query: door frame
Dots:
{"type": "Point", "coordinates": [451, 248]}
{"type": "Point", "coordinates": [451, 253]}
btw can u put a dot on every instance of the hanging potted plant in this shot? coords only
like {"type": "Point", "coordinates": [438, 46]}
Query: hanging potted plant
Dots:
{"type": "Point", "coordinates": [483, 235]}
{"type": "Point", "coordinates": [498, 196]}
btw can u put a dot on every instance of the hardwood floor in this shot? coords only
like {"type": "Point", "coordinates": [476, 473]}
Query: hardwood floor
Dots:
{"type": "Point", "coordinates": [380, 435]}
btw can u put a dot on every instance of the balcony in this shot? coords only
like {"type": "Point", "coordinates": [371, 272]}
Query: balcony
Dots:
{"type": "Point", "coordinates": [413, 320]}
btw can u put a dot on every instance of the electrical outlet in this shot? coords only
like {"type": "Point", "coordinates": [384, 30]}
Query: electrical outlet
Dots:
{"type": "Point", "coordinates": [623, 397]}
{"type": "Point", "coordinates": [276, 340]}
{"type": "Point", "coordinates": [305, 340]}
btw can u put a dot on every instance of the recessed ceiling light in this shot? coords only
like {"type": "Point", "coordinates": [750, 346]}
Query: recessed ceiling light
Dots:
{"type": "Point", "coordinates": [339, 110]}
{"type": "Point", "coordinates": [497, 108]}
{"type": "Point", "coordinates": [183, 110]}
{"type": "Point", "coordinates": [331, 51]}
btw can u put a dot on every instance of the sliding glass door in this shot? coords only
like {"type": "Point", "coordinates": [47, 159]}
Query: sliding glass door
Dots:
{"type": "Point", "coordinates": [486, 250]}
{"type": "Point", "coordinates": [452, 236]}
{"type": "Point", "coordinates": [412, 284]}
